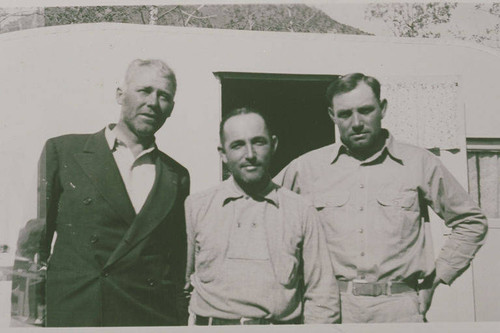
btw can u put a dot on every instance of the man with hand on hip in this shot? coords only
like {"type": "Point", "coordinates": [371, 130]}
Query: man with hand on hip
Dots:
{"type": "Point", "coordinates": [372, 194]}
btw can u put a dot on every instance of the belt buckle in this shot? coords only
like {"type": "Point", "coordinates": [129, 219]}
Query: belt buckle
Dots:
{"type": "Point", "coordinates": [376, 289]}
{"type": "Point", "coordinates": [356, 291]}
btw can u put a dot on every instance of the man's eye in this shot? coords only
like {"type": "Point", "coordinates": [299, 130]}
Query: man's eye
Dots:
{"type": "Point", "coordinates": [260, 142]}
{"type": "Point", "coordinates": [145, 90]}
{"type": "Point", "coordinates": [236, 146]}
{"type": "Point", "coordinates": [344, 115]}
{"type": "Point", "coordinates": [165, 97]}
{"type": "Point", "coordinates": [366, 110]}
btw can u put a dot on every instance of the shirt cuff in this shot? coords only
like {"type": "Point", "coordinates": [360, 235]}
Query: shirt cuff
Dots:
{"type": "Point", "coordinates": [445, 272]}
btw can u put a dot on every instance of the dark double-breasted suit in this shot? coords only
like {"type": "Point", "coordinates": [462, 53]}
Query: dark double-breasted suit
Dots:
{"type": "Point", "coordinates": [110, 266]}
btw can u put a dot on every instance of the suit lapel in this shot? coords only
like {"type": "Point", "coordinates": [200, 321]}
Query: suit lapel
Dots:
{"type": "Point", "coordinates": [156, 208]}
{"type": "Point", "coordinates": [99, 165]}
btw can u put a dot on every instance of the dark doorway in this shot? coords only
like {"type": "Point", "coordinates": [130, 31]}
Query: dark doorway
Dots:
{"type": "Point", "coordinates": [295, 105]}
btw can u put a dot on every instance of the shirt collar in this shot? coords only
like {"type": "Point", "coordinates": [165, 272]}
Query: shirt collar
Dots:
{"type": "Point", "coordinates": [390, 146]}
{"type": "Point", "coordinates": [113, 136]}
{"type": "Point", "coordinates": [110, 134]}
{"type": "Point", "coordinates": [232, 192]}
{"type": "Point", "coordinates": [337, 151]}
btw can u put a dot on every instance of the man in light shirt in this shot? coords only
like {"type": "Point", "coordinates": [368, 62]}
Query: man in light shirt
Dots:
{"type": "Point", "coordinates": [372, 194]}
{"type": "Point", "coordinates": [256, 253]}
{"type": "Point", "coordinates": [116, 204]}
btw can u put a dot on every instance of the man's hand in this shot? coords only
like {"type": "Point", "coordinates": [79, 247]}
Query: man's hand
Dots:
{"type": "Point", "coordinates": [188, 288]}
{"type": "Point", "coordinates": [425, 297]}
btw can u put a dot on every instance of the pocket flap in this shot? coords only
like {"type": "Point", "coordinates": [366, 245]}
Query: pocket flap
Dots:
{"type": "Point", "coordinates": [335, 199]}
{"type": "Point", "coordinates": [398, 199]}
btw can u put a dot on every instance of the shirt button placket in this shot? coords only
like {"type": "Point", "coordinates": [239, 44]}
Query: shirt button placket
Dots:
{"type": "Point", "coordinates": [363, 216]}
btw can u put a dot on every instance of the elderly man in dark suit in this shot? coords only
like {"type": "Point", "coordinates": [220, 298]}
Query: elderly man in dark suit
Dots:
{"type": "Point", "coordinates": [116, 204]}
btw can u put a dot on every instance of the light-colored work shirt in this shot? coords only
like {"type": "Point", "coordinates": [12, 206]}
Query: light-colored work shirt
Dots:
{"type": "Point", "coordinates": [138, 173]}
{"type": "Point", "coordinates": [248, 256]}
{"type": "Point", "coordinates": [372, 211]}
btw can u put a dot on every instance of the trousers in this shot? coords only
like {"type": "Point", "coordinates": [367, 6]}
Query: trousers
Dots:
{"type": "Point", "coordinates": [402, 307]}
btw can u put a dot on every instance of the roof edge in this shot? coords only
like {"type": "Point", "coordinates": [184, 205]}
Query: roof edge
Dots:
{"type": "Point", "coordinates": [228, 32]}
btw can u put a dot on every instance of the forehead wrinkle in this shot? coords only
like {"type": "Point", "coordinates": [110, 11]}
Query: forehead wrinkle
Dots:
{"type": "Point", "coordinates": [356, 103]}
{"type": "Point", "coordinates": [135, 71]}
{"type": "Point", "coordinates": [232, 119]}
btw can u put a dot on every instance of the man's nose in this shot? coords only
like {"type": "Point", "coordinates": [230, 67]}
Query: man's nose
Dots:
{"type": "Point", "coordinates": [250, 153]}
{"type": "Point", "coordinates": [152, 100]}
{"type": "Point", "coordinates": [357, 123]}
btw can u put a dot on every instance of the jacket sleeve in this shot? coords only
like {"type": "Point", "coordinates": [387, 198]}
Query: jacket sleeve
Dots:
{"type": "Point", "coordinates": [49, 190]}
{"type": "Point", "coordinates": [321, 295]}
{"type": "Point", "coordinates": [182, 301]}
{"type": "Point", "coordinates": [190, 245]}
{"type": "Point", "coordinates": [454, 205]}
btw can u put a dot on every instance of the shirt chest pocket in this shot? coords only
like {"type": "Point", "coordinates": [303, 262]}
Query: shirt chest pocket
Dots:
{"type": "Point", "coordinates": [397, 211]}
{"type": "Point", "coordinates": [333, 209]}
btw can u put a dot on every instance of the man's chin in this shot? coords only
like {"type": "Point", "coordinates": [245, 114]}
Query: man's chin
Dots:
{"type": "Point", "coordinates": [146, 131]}
{"type": "Point", "coordinates": [359, 145]}
{"type": "Point", "coordinates": [252, 181]}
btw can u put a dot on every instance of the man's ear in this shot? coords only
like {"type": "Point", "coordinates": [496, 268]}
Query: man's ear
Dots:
{"type": "Point", "coordinates": [119, 95]}
{"type": "Point", "coordinates": [222, 154]}
{"type": "Point", "coordinates": [331, 113]}
{"type": "Point", "coordinates": [274, 143]}
{"type": "Point", "coordinates": [383, 106]}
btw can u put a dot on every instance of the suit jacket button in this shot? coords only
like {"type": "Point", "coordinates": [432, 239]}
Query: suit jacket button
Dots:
{"type": "Point", "coordinates": [87, 201]}
{"type": "Point", "coordinates": [105, 274]}
{"type": "Point", "coordinates": [94, 239]}
{"type": "Point", "coordinates": [151, 282]}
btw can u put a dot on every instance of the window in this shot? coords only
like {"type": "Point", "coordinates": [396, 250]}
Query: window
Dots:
{"type": "Point", "coordinates": [483, 161]}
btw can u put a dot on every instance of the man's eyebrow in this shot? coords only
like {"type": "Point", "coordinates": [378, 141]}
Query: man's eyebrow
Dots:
{"type": "Point", "coordinates": [236, 142]}
{"type": "Point", "coordinates": [164, 92]}
{"type": "Point", "coordinates": [344, 110]}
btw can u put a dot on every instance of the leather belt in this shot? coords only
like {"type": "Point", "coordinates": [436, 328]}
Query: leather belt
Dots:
{"type": "Point", "coordinates": [209, 321]}
{"type": "Point", "coordinates": [364, 288]}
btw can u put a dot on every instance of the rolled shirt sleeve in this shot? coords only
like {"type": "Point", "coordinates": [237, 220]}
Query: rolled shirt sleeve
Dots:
{"type": "Point", "coordinates": [454, 205]}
